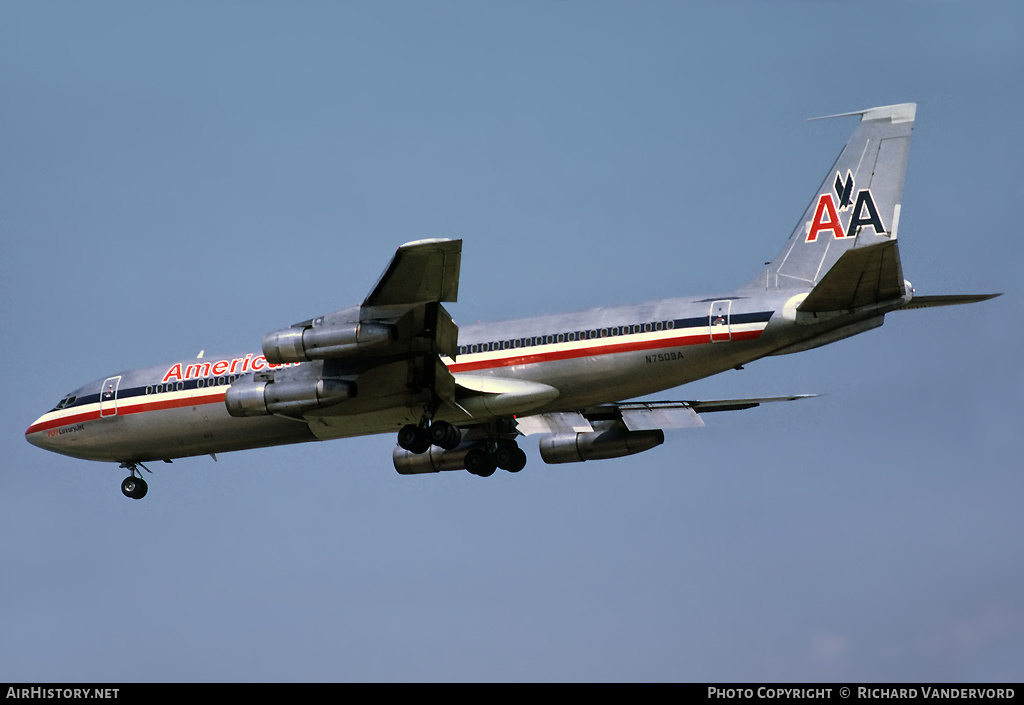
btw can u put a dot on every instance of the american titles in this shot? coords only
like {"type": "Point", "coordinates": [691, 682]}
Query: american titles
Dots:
{"type": "Point", "coordinates": [239, 365]}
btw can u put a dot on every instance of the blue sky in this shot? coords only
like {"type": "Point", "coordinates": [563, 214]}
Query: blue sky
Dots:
{"type": "Point", "coordinates": [186, 177]}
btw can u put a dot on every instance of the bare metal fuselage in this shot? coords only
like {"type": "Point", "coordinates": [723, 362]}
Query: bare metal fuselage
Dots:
{"type": "Point", "coordinates": [177, 410]}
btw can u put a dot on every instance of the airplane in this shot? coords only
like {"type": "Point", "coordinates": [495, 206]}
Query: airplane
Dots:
{"type": "Point", "coordinates": [459, 398]}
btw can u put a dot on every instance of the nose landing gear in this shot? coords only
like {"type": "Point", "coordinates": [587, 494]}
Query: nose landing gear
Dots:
{"type": "Point", "coordinates": [133, 486]}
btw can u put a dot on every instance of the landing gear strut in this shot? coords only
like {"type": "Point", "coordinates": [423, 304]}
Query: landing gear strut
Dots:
{"type": "Point", "coordinates": [133, 486]}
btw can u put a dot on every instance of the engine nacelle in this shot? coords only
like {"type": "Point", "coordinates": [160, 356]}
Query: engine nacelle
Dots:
{"type": "Point", "coordinates": [302, 344]}
{"type": "Point", "coordinates": [597, 445]}
{"type": "Point", "coordinates": [433, 460]}
{"type": "Point", "coordinates": [257, 397]}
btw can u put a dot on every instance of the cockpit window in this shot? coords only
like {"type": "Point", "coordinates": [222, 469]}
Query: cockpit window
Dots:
{"type": "Point", "coordinates": [65, 402]}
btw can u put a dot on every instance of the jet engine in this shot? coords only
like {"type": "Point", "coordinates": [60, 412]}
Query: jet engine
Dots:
{"type": "Point", "coordinates": [479, 457]}
{"type": "Point", "coordinates": [598, 445]}
{"type": "Point", "coordinates": [319, 342]}
{"type": "Point", "coordinates": [433, 460]}
{"type": "Point", "coordinates": [255, 396]}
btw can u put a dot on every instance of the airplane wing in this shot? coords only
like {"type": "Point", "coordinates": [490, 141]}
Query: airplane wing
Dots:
{"type": "Point", "coordinates": [420, 272]}
{"type": "Point", "coordinates": [615, 430]}
{"type": "Point", "coordinates": [382, 358]}
{"type": "Point", "coordinates": [639, 416]}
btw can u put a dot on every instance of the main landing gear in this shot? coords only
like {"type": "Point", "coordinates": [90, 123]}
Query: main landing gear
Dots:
{"type": "Point", "coordinates": [485, 459]}
{"type": "Point", "coordinates": [133, 486]}
{"type": "Point", "coordinates": [480, 456]}
{"type": "Point", "coordinates": [418, 439]}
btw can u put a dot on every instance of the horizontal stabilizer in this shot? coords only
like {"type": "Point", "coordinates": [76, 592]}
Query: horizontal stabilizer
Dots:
{"type": "Point", "coordinates": [862, 276]}
{"type": "Point", "coordinates": [948, 300]}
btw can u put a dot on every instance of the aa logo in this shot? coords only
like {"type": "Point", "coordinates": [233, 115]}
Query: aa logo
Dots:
{"type": "Point", "coordinates": [826, 213]}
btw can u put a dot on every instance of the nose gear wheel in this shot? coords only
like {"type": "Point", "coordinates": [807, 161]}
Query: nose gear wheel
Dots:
{"type": "Point", "coordinates": [133, 486]}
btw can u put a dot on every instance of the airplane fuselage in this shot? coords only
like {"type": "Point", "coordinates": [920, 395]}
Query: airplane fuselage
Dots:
{"type": "Point", "coordinates": [592, 357]}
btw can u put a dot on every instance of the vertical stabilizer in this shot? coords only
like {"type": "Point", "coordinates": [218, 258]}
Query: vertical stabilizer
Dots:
{"type": "Point", "coordinates": [857, 204]}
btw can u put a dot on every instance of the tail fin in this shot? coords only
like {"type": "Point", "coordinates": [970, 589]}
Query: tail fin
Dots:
{"type": "Point", "coordinates": [857, 205]}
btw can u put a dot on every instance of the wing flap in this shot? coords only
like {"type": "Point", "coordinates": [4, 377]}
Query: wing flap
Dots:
{"type": "Point", "coordinates": [659, 415]}
{"type": "Point", "coordinates": [562, 422]}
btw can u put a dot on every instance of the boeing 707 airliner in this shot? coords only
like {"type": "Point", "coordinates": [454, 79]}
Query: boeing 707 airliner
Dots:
{"type": "Point", "coordinates": [460, 398]}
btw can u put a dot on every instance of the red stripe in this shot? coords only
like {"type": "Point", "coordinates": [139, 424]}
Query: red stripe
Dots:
{"type": "Point", "coordinates": [126, 411]}
{"type": "Point", "coordinates": [533, 358]}
{"type": "Point", "coordinates": [525, 359]}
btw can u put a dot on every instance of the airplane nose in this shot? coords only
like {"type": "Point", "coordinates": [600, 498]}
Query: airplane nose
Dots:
{"type": "Point", "coordinates": [36, 436]}
{"type": "Point", "coordinates": [70, 439]}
